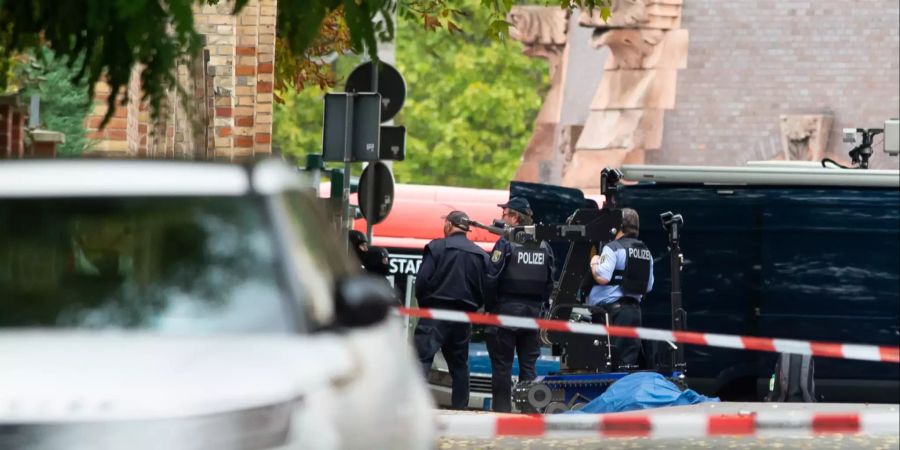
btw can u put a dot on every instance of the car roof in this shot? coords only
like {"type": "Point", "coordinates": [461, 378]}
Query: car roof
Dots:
{"type": "Point", "coordinates": [782, 174]}
{"type": "Point", "coordinates": [117, 178]}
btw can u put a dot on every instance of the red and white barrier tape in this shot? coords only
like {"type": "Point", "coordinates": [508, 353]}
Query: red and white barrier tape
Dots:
{"type": "Point", "coordinates": [815, 348]}
{"type": "Point", "coordinates": [687, 425]}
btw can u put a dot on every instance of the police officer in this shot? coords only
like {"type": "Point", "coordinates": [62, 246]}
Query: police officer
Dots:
{"type": "Point", "coordinates": [359, 243]}
{"type": "Point", "coordinates": [373, 259]}
{"type": "Point", "coordinates": [624, 274]}
{"type": "Point", "coordinates": [452, 276]}
{"type": "Point", "coordinates": [524, 281]}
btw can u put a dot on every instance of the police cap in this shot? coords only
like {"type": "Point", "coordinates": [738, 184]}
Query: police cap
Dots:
{"type": "Point", "coordinates": [459, 219]}
{"type": "Point", "coordinates": [518, 204]}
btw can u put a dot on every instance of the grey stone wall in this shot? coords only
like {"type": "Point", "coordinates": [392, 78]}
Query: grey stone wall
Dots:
{"type": "Point", "coordinates": [751, 61]}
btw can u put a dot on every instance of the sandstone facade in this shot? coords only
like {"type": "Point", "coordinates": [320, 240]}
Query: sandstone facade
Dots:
{"type": "Point", "coordinates": [711, 82]}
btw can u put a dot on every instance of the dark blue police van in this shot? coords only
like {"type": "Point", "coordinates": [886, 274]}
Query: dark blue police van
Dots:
{"type": "Point", "coordinates": [778, 251]}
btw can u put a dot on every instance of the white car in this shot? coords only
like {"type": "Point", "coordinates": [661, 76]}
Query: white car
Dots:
{"type": "Point", "coordinates": [171, 305]}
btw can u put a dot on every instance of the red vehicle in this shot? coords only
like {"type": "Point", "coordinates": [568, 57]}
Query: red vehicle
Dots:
{"type": "Point", "coordinates": [416, 219]}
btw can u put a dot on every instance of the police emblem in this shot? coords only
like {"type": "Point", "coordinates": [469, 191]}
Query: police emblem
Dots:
{"type": "Point", "coordinates": [495, 257]}
{"type": "Point", "coordinates": [603, 258]}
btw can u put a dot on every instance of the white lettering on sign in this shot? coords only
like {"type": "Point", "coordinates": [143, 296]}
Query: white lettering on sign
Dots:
{"type": "Point", "coordinates": [404, 264]}
{"type": "Point", "coordinates": [639, 253]}
{"type": "Point", "coordinates": [535, 258]}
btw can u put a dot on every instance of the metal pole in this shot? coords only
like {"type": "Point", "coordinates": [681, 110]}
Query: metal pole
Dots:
{"type": "Point", "coordinates": [346, 220]}
{"type": "Point", "coordinates": [678, 313]}
{"type": "Point", "coordinates": [370, 189]}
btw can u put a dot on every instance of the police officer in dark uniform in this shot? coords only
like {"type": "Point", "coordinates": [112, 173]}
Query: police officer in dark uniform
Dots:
{"type": "Point", "coordinates": [452, 276]}
{"type": "Point", "coordinates": [373, 259]}
{"type": "Point", "coordinates": [624, 274]}
{"type": "Point", "coordinates": [523, 275]}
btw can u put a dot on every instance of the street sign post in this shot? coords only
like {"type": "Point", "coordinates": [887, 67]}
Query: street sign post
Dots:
{"type": "Point", "coordinates": [364, 117]}
{"type": "Point", "coordinates": [393, 143]}
{"type": "Point", "coordinates": [376, 192]}
{"type": "Point", "coordinates": [352, 133]}
{"type": "Point", "coordinates": [386, 81]}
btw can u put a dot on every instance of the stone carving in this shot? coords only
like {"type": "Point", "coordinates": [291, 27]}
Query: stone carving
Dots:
{"type": "Point", "coordinates": [644, 49]}
{"type": "Point", "coordinates": [568, 136]}
{"type": "Point", "coordinates": [638, 84]}
{"type": "Point", "coordinates": [538, 26]}
{"type": "Point", "coordinates": [804, 137]}
{"type": "Point", "coordinates": [652, 14]}
{"type": "Point", "coordinates": [542, 31]}
{"type": "Point", "coordinates": [635, 128]}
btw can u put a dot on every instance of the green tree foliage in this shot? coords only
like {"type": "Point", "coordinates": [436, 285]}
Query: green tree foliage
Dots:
{"type": "Point", "coordinates": [469, 110]}
{"type": "Point", "coordinates": [106, 38]}
{"type": "Point", "coordinates": [471, 106]}
{"type": "Point", "coordinates": [297, 124]}
{"type": "Point", "coordinates": [64, 105]}
{"type": "Point", "coordinates": [110, 37]}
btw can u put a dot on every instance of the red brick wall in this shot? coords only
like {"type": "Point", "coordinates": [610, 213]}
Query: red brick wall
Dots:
{"type": "Point", "coordinates": [750, 61]}
{"type": "Point", "coordinates": [235, 124]}
{"type": "Point", "coordinates": [12, 123]}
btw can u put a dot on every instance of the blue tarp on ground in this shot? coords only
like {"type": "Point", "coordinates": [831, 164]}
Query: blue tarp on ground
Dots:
{"type": "Point", "coordinates": [643, 390]}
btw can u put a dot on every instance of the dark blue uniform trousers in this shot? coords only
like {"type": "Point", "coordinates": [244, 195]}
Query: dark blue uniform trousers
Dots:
{"type": "Point", "coordinates": [625, 312]}
{"type": "Point", "coordinates": [452, 339]}
{"type": "Point", "coordinates": [503, 344]}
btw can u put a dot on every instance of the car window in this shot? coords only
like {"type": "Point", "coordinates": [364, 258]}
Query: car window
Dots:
{"type": "Point", "coordinates": [180, 265]}
{"type": "Point", "coordinates": [321, 259]}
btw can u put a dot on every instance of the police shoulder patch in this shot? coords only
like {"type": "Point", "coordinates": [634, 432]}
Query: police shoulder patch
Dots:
{"type": "Point", "coordinates": [603, 258]}
{"type": "Point", "coordinates": [495, 257]}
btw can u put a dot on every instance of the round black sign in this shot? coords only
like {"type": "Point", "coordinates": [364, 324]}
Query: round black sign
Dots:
{"type": "Point", "coordinates": [391, 86]}
{"type": "Point", "coordinates": [376, 204]}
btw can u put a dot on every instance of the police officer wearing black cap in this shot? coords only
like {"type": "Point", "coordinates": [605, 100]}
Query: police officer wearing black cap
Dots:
{"type": "Point", "coordinates": [373, 259]}
{"type": "Point", "coordinates": [452, 276]}
{"type": "Point", "coordinates": [524, 281]}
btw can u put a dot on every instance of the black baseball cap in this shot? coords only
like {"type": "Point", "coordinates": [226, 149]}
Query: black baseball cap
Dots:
{"type": "Point", "coordinates": [518, 204]}
{"type": "Point", "coordinates": [459, 219]}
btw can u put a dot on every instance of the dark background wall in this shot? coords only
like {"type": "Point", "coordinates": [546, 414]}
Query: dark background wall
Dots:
{"type": "Point", "coordinates": [751, 61]}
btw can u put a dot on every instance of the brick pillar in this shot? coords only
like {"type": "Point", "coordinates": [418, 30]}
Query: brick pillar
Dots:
{"type": "Point", "coordinates": [44, 143]}
{"type": "Point", "coordinates": [245, 80]}
{"type": "Point", "coordinates": [265, 78]}
{"type": "Point", "coordinates": [11, 124]}
{"type": "Point", "coordinates": [219, 27]}
{"type": "Point", "coordinates": [112, 139]}
{"type": "Point", "coordinates": [132, 120]}
{"type": "Point", "coordinates": [5, 131]}
{"type": "Point", "coordinates": [17, 131]}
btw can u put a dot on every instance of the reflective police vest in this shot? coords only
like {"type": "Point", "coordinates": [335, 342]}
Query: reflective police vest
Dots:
{"type": "Point", "coordinates": [636, 274]}
{"type": "Point", "coordinates": [526, 272]}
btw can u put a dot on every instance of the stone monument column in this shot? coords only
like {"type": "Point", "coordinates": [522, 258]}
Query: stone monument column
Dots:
{"type": "Point", "coordinates": [647, 47]}
{"type": "Point", "coordinates": [542, 31]}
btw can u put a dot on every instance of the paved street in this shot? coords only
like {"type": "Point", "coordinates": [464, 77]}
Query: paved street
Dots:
{"type": "Point", "coordinates": [838, 442]}
{"type": "Point", "coordinates": [822, 442]}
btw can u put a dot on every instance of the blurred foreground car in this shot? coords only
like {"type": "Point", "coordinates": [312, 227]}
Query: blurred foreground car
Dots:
{"type": "Point", "coordinates": [191, 305]}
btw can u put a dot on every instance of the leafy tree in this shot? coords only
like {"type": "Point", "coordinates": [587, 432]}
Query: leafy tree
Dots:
{"type": "Point", "coordinates": [64, 105]}
{"type": "Point", "coordinates": [472, 103]}
{"type": "Point", "coordinates": [297, 122]}
{"type": "Point", "coordinates": [464, 128]}
{"type": "Point", "coordinates": [109, 37]}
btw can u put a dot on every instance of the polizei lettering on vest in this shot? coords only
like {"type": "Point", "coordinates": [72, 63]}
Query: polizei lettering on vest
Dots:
{"type": "Point", "coordinates": [641, 253]}
{"type": "Point", "coordinates": [536, 258]}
